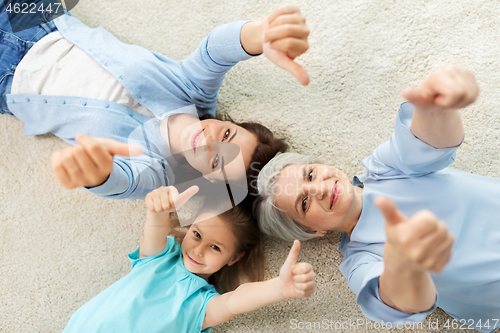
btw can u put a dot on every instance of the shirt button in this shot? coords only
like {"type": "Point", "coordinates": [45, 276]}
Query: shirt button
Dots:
{"type": "Point", "coordinates": [12, 101]}
{"type": "Point", "coordinates": [106, 105]}
{"type": "Point", "coordinates": [63, 101]}
{"type": "Point", "coordinates": [84, 103]}
{"type": "Point", "coordinates": [121, 77]}
{"type": "Point", "coordinates": [139, 97]}
{"type": "Point", "coordinates": [27, 99]}
{"type": "Point", "coordinates": [106, 64]}
{"type": "Point", "coordinates": [44, 100]}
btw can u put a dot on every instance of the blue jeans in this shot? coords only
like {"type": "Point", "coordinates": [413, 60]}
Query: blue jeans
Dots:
{"type": "Point", "coordinates": [13, 47]}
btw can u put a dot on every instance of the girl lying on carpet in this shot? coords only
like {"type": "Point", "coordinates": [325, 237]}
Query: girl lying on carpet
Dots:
{"type": "Point", "coordinates": [65, 78]}
{"type": "Point", "coordinates": [171, 286]}
{"type": "Point", "coordinates": [402, 268]}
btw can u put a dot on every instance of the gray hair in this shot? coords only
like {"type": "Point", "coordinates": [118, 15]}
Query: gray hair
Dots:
{"type": "Point", "coordinates": [273, 221]}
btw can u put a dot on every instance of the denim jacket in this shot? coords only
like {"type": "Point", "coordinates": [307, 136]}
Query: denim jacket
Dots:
{"type": "Point", "coordinates": [159, 83]}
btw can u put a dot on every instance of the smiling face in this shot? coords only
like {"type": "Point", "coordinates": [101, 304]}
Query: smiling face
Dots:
{"type": "Point", "coordinates": [319, 197]}
{"type": "Point", "coordinates": [208, 246]}
{"type": "Point", "coordinates": [204, 144]}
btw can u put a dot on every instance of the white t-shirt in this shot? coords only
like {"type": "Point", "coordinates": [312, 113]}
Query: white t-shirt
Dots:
{"type": "Point", "coordinates": [55, 66]}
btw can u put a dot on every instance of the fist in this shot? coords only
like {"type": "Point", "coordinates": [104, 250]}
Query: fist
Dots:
{"type": "Point", "coordinates": [297, 279]}
{"type": "Point", "coordinates": [90, 162]}
{"type": "Point", "coordinates": [423, 240]}
{"type": "Point", "coordinates": [284, 38]}
{"type": "Point", "coordinates": [447, 88]}
{"type": "Point", "coordinates": [167, 199]}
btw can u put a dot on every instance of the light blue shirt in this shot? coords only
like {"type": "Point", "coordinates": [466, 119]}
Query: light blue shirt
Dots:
{"type": "Point", "coordinates": [159, 295]}
{"type": "Point", "coordinates": [160, 84]}
{"type": "Point", "coordinates": [415, 176]}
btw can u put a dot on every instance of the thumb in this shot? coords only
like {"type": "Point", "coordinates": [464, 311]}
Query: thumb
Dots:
{"type": "Point", "coordinates": [291, 260]}
{"type": "Point", "coordinates": [119, 148]}
{"type": "Point", "coordinates": [416, 97]}
{"type": "Point", "coordinates": [298, 71]}
{"type": "Point", "coordinates": [389, 210]}
{"type": "Point", "coordinates": [185, 196]}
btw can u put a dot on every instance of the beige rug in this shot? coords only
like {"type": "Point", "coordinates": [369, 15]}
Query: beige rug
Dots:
{"type": "Point", "coordinates": [60, 248]}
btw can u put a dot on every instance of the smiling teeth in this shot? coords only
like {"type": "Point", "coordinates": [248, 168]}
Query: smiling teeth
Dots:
{"type": "Point", "coordinates": [196, 140]}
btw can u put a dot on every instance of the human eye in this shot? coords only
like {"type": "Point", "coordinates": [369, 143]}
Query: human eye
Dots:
{"type": "Point", "coordinates": [216, 248]}
{"type": "Point", "coordinates": [310, 175]}
{"type": "Point", "coordinates": [226, 135]}
{"type": "Point", "coordinates": [196, 234]}
{"type": "Point", "coordinates": [304, 204]}
{"type": "Point", "coordinates": [215, 163]}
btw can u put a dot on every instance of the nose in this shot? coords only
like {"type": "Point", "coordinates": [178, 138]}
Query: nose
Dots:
{"type": "Point", "coordinates": [319, 190]}
{"type": "Point", "coordinates": [198, 251]}
{"type": "Point", "coordinates": [208, 139]}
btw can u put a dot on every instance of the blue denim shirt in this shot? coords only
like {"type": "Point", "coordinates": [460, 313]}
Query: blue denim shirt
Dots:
{"type": "Point", "coordinates": [159, 83]}
{"type": "Point", "coordinates": [416, 176]}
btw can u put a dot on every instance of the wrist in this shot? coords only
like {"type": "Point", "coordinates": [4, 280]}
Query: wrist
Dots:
{"type": "Point", "coordinates": [251, 37]}
{"type": "Point", "coordinates": [279, 286]}
{"type": "Point", "coordinates": [398, 263]}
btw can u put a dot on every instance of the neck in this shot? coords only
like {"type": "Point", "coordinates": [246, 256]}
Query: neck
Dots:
{"type": "Point", "coordinates": [356, 211]}
{"type": "Point", "coordinates": [204, 276]}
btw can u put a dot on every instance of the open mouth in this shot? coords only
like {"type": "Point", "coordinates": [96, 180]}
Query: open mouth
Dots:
{"type": "Point", "coordinates": [192, 260]}
{"type": "Point", "coordinates": [196, 139]}
{"type": "Point", "coordinates": [335, 195]}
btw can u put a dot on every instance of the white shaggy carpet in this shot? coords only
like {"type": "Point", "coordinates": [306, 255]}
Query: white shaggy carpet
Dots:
{"type": "Point", "coordinates": [59, 248]}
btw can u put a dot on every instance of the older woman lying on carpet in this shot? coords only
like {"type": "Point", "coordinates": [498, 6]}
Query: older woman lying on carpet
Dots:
{"type": "Point", "coordinates": [439, 247]}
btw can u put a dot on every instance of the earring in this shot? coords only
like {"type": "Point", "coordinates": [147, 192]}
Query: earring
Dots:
{"type": "Point", "coordinates": [324, 233]}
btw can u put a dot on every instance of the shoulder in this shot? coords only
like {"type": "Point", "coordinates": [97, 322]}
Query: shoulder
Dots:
{"type": "Point", "coordinates": [172, 251]}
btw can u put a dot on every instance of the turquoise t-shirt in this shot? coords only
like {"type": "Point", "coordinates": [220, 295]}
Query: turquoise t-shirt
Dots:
{"type": "Point", "coordinates": [158, 295]}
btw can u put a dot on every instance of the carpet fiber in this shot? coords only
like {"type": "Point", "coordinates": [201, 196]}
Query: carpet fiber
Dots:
{"type": "Point", "coordinates": [59, 248]}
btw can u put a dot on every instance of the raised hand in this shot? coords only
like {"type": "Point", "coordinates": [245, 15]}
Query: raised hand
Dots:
{"type": "Point", "coordinates": [168, 199]}
{"type": "Point", "coordinates": [422, 242]}
{"type": "Point", "coordinates": [447, 88]}
{"type": "Point", "coordinates": [285, 38]}
{"type": "Point", "coordinates": [297, 280]}
{"type": "Point", "coordinates": [89, 163]}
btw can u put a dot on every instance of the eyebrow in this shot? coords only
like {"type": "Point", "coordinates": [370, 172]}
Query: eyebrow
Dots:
{"type": "Point", "coordinates": [235, 132]}
{"type": "Point", "coordinates": [300, 195]}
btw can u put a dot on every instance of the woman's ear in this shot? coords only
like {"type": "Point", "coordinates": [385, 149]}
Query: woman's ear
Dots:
{"type": "Point", "coordinates": [235, 259]}
{"type": "Point", "coordinates": [320, 233]}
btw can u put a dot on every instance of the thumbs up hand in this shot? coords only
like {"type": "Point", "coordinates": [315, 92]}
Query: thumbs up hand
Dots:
{"type": "Point", "coordinates": [296, 279]}
{"type": "Point", "coordinates": [167, 199]}
{"type": "Point", "coordinates": [90, 162]}
{"type": "Point", "coordinates": [423, 241]}
{"type": "Point", "coordinates": [447, 88]}
{"type": "Point", "coordinates": [285, 38]}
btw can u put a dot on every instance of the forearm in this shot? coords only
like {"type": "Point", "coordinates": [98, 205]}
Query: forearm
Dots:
{"type": "Point", "coordinates": [156, 230]}
{"type": "Point", "coordinates": [440, 129]}
{"type": "Point", "coordinates": [404, 285]}
{"type": "Point", "coordinates": [251, 37]}
{"type": "Point", "coordinates": [252, 296]}
{"type": "Point", "coordinates": [246, 298]}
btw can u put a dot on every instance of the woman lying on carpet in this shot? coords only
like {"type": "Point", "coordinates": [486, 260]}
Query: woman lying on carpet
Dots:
{"type": "Point", "coordinates": [65, 78]}
{"type": "Point", "coordinates": [441, 248]}
{"type": "Point", "coordinates": [170, 287]}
